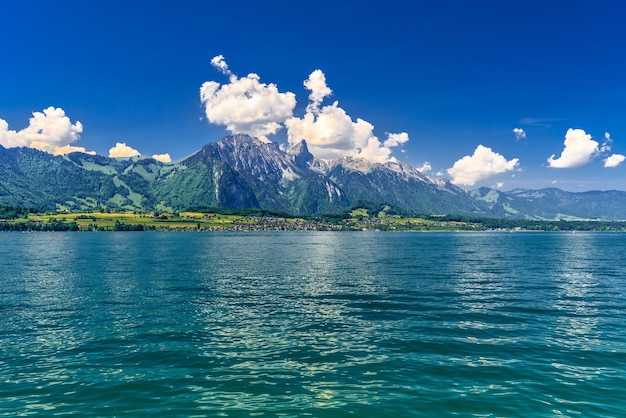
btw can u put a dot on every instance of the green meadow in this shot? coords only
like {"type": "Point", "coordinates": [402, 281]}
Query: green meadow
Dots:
{"type": "Point", "coordinates": [149, 221]}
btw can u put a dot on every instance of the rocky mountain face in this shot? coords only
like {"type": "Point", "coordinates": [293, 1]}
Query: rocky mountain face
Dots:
{"type": "Point", "coordinates": [242, 172]}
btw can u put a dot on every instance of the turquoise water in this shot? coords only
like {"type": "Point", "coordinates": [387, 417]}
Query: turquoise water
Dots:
{"type": "Point", "coordinates": [313, 324]}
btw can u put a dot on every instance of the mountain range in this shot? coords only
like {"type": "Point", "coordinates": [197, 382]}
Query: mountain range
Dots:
{"type": "Point", "coordinates": [240, 171]}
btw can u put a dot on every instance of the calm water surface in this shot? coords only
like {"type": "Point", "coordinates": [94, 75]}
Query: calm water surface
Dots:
{"type": "Point", "coordinates": [313, 324]}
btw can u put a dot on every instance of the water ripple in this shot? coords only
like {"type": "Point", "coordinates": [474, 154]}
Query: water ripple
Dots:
{"type": "Point", "coordinates": [320, 324]}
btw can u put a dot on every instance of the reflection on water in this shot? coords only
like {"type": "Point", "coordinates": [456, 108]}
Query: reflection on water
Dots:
{"type": "Point", "coordinates": [577, 305]}
{"type": "Point", "coordinates": [313, 324]}
{"type": "Point", "coordinates": [283, 335]}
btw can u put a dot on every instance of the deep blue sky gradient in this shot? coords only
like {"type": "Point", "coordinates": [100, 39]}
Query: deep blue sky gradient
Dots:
{"type": "Point", "coordinates": [453, 74]}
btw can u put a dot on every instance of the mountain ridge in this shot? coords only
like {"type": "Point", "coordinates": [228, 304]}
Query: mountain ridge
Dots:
{"type": "Point", "coordinates": [240, 171]}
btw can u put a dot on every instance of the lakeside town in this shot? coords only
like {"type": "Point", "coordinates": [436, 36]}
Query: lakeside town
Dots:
{"type": "Point", "coordinates": [372, 218]}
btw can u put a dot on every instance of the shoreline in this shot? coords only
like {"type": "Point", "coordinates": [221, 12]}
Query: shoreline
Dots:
{"type": "Point", "coordinates": [359, 220]}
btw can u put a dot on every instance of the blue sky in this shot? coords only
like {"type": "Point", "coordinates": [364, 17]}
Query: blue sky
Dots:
{"type": "Point", "coordinates": [454, 77]}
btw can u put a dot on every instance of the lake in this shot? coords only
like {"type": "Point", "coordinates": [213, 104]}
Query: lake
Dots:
{"type": "Point", "coordinates": [320, 324]}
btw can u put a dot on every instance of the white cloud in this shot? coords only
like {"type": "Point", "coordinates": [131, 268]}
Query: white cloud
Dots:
{"type": "Point", "coordinates": [67, 149]}
{"type": "Point", "coordinates": [579, 150]}
{"type": "Point", "coordinates": [245, 105]}
{"type": "Point", "coordinates": [121, 150]}
{"type": "Point", "coordinates": [316, 84]}
{"type": "Point", "coordinates": [331, 133]}
{"type": "Point", "coordinates": [393, 140]}
{"type": "Point", "coordinates": [499, 185]}
{"type": "Point", "coordinates": [51, 131]}
{"type": "Point", "coordinates": [425, 167]}
{"type": "Point", "coordinates": [519, 133]}
{"type": "Point", "coordinates": [614, 160]}
{"type": "Point", "coordinates": [373, 151]}
{"type": "Point", "coordinates": [220, 64]}
{"type": "Point", "coordinates": [483, 164]}
{"type": "Point", "coordinates": [164, 158]}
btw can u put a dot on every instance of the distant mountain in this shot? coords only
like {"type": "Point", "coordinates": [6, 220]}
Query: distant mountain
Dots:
{"type": "Point", "coordinates": [242, 172]}
{"type": "Point", "coordinates": [554, 204]}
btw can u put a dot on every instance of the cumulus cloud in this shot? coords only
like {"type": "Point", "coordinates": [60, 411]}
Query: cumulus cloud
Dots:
{"type": "Point", "coordinates": [331, 133]}
{"type": "Point", "coordinates": [316, 84]}
{"type": "Point", "coordinates": [393, 140]}
{"type": "Point", "coordinates": [51, 131]}
{"type": "Point", "coordinates": [519, 133]}
{"type": "Point", "coordinates": [164, 158]}
{"type": "Point", "coordinates": [482, 164]}
{"type": "Point", "coordinates": [579, 150]}
{"type": "Point", "coordinates": [245, 105]}
{"type": "Point", "coordinates": [499, 185]}
{"type": "Point", "coordinates": [614, 160]}
{"type": "Point", "coordinates": [121, 150]}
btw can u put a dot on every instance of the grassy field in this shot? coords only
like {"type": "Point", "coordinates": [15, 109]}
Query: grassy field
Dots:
{"type": "Point", "coordinates": [357, 220]}
{"type": "Point", "coordinates": [183, 220]}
